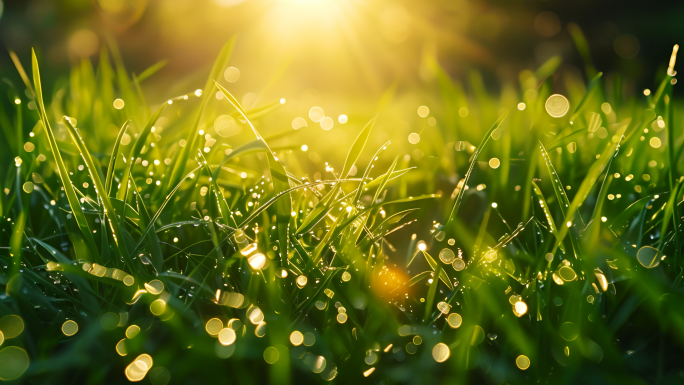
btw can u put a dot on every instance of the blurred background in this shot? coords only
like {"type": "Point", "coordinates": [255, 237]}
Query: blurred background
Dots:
{"type": "Point", "coordinates": [350, 59]}
{"type": "Point", "coordinates": [354, 59]}
{"type": "Point", "coordinates": [343, 47]}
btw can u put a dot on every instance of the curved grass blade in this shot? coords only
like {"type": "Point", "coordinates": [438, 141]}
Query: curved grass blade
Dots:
{"type": "Point", "coordinates": [357, 147]}
{"type": "Point", "coordinates": [564, 204]}
{"type": "Point", "coordinates": [547, 213]}
{"type": "Point", "coordinates": [112, 159]}
{"type": "Point", "coordinates": [435, 266]}
{"type": "Point", "coordinates": [587, 96]}
{"type": "Point", "coordinates": [159, 211]}
{"type": "Point", "coordinates": [279, 178]}
{"type": "Point", "coordinates": [108, 207]}
{"type": "Point", "coordinates": [414, 280]}
{"type": "Point", "coordinates": [61, 168]}
{"type": "Point", "coordinates": [670, 209]}
{"type": "Point", "coordinates": [178, 166]}
{"type": "Point", "coordinates": [483, 143]}
{"type": "Point", "coordinates": [366, 175]}
{"type": "Point", "coordinates": [135, 151]}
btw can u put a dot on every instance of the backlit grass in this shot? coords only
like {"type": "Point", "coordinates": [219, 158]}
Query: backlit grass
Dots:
{"type": "Point", "coordinates": [506, 238]}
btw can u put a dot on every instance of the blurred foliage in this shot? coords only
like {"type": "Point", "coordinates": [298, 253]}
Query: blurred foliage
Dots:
{"type": "Point", "coordinates": [156, 227]}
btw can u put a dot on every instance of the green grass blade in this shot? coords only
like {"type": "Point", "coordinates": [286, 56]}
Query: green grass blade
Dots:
{"type": "Point", "coordinates": [104, 197]}
{"type": "Point", "coordinates": [357, 148]}
{"type": "Point", "coordinates": [547, 213]}
{"type": "Point", "coordinates": [135, 151]}
{"type": "Point", "coordinates": [279, 178]}
{"type": "Point", "coordinates": [153, 69]}
{"type": "Point", "coordinates": [587, 96]}
{"type": "Point", "coordinates": [438, 270]}
{"type": "Point", "coordinates": [179, 164]}
{"type": "Point", "coordinates": [478, 151]}
{"type": "Point", "coordinates": [549, 67]}
{"type": "Point", "coordinates": [112, 159]}
{"type": "Point", "coordinates": [564, 204]}
{"type": "Point", "coordinates": [61, 168]}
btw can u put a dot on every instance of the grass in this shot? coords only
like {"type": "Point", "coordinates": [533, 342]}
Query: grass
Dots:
{"type": "Point", "coordinates": [550, 252]}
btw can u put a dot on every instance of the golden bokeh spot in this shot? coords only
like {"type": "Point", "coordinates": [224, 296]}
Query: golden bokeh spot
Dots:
{"type": "Point", "coordinates": [226, 336]}
{"type": "Point", "coordinates": [316, 114]}
{"type": "Point", "coordinates": [11, 326]}
{"type": "Point", "coordinates": [458, 264]}
{"type": "Point", "coordinates": [119, 104]}
{"type": "Point", "coordinates": [522, 362]}
{"type": "Point", "coordinates": [69, 328]}
{"type": "Point", "coordinates": [567, 274]}
{"type": "Point", "coordinates": [648, 257]}
{"type": "Point", "coordinates": [441, 352]}
{"type": "Point", "coordinates": [234, 324]}
{"type": "Point", "coordinates": [447, 256]}
{"type": "Point", "coordinates": [155, 286]}
{"type": "Point", "coordinates": [260, 330]}
{"type": "Point", "coordinates": [257, 261]}
{"type": "Point", "coordinates": [255, 315]}
{"type": "Point", "coordinates": [319, 364]}
{"type": "Point", "coordinates": [557, 105]}
{"type": "Point", "coordinates": [28, 187]}
{"type": "Point", "coordinates": [157, 307]}
{"type": "Point", "coordinates": [137, 369]}
{"type": "Point", "coordinates": [128, 280]}
{"type": "Point", "coordinates": [231, 74]}
{"type": "Point", "coordinates": [414, 138]}
{"type": "Point", "coordinates": [213, 326]}
{"type": "Point", "coordinates": [132, 331]}
{"type": "Point", "coordinates": [655, 142]}
{"type": "Point", "coordinates": [13, 363]}
{"type": "Point", "coordinates": [121, 347]}
{"type": "Point", "coordinates": [455, 320]}
{"type": "Point", "coordinates": [423, 111]}
{"type": "Point", "coordinates": [520, 308]}
{"type": "Point", "coordinates": [296, 338]}
{"type": "Point", "coordinates": [301, 281]}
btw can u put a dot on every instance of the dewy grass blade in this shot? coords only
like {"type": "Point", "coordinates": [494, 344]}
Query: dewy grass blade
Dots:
{"type": "Point", "coordinates": [179, 163]}
{"type": "Point", "coordinates": [61, 167]}
{"type": "Point", "coordinates": [547, 213]}
{"type": "Point", "coordinates": [112, 159]}
{"type": "Point", "coordinates": [135, 151]}
{"type": "Point", "coordinates": [159, 211]}
{"type": "Point", "coordinates": [564, 204]}
{"type": "Point", "coordinates": [102, 193]}
{"type": "Point", "coordinates": [478, 151]}
{"type": "Point", "coordinates": [357, 148]}
{"type": "Point", "coordinates": [279, 178]}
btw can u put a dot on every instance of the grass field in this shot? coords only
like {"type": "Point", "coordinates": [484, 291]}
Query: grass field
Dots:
{"type": "Point", "coordinates": [457, 236]}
